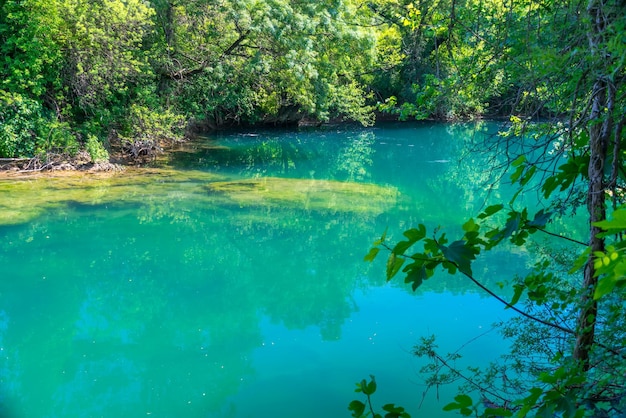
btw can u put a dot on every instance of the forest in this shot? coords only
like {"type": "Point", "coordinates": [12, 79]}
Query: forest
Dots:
{"type": "Point", "coordinates": [96, 74]}
{"type": "Point", "coordinates": [130, 76]}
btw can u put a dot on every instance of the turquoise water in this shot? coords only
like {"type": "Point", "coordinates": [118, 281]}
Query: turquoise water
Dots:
{"type": "Point", "coordinates": [187, 301]}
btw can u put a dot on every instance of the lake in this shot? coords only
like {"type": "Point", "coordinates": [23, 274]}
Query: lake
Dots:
{"type": "Point", "coordinates": [230, 282]}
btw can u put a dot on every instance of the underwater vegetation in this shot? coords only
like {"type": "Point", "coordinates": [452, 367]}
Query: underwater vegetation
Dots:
{"type": "Point", "coordinates": [22, 199]}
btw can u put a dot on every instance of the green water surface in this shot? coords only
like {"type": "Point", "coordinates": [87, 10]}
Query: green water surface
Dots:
{"type": "Point", "coordinates": [231, 283]}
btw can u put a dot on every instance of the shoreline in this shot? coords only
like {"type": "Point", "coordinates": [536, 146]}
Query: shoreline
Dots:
{"type": "Point", "coordinates": [64, 165]}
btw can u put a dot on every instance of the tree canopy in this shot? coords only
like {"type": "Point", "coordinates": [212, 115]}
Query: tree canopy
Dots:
{"type": "Point", "coordinates": [104, 67]}
{"type": "Point", "coordinates": [557, 67]}
{"type": "Point", "coordinates": [131, 69]}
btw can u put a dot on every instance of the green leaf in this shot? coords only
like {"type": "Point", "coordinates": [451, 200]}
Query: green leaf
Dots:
{"type": "Point", "coordinates": [394, 264]}
{"type": "Point", "coordinates": [498, 412]}
{"type": "Point", "coordinates": [415, 275]}
{"type": "Point", "coordinates": [519, 290]}
{"type": "Point", "coordinates": [580, 261]}
{"type": "Point", "coordinates": [395, 411]}
{"type": "Point", "coordinates": [518, 161]}
{"type": "Point", "coordinates": [368, 388]}
{"type": "Point", "coordinates": [401, 247]}
{"type": "Point", "coordinates": [372, 254]}
{"type": "Point", "coordinates": [463, 400]}
{"type": "Point", "coordinates": [414, 234]}
{"type": "Point", "coordinates": [540, 220]}
{"type": "Point", "coordinates": [568, 172]}
{"type": "Point", "coordinates": [549, 185]}
{"type": "Point", "coordinates": [463, 404]}
{"type": "Point", "coordinates": [517, 174]}
{"type": "Point", "coordinates": [451, 406]}
{"type": "Point", "coordinates": [530, 401]}
{"type": "Point", "coordinates": [517, 193]}
{"type": "Point", "coordinates": [604, 287]}
{"type": "Point", "coordinates": [357, 408]}
{"type": "Point", "coordinates": [512, 225]}
{"type": "Point", "coordinates": [528, 175]}
{"type": "Point", "coordinates": [431, 246]}
{"type": "Point", "coordinates": [491, 210]}
{"type": "Point", "coordinates": [471, 226]}
{"type": "Point", "coordinates": [615, 225]}
{"type": "Point", "coordinates": [381, 239]}
{"type": "Point", "coordinates": [461, 254]}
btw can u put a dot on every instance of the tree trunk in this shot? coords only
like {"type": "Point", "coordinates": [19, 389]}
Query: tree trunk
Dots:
{"type": "Point", "coordinates": [600, 126]}
{"type": "Point", "coordinates": [597, 212]}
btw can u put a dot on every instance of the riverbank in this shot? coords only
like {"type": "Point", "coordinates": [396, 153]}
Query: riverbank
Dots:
{"type": "Point", "coordinates": [55, 163]}
{"type": "Point", "coordinates": [81, 162]}
{"type": "Point", "coordinates": [124, 154]}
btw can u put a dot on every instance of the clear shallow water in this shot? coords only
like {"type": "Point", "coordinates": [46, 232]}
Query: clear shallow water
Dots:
{"type": "Point", "coordinates": [187, 302]}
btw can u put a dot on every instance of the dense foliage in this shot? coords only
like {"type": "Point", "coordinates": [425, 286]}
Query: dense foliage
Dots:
{"type": "Point", "coordinates": [563, 64]}
{"type": "Point", "coordinates": [129, 71]}
{"type": "Point", "coordinates": [76, 68]}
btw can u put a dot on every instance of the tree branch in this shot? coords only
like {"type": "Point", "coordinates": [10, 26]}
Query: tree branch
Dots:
{"type": "Point", "coordinates": [575, 241]}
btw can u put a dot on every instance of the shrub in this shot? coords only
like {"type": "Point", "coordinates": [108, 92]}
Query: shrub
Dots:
{"type": "Point", "coordinates": [19, 122]}
{"type": "Point", "coordinates": [96, 150]}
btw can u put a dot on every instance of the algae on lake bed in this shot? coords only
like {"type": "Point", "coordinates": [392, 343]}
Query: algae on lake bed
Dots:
{"type": "Point", "coordinates": [25, 198]}
{"type": "Point", "coordinates": [308, 194]}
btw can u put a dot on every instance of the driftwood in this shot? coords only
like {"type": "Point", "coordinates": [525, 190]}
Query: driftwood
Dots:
{"type": "Point", "coordinates": [141, 149]}
{"type": "Point", "coordinates": [16, 164]}
{"type": "Point", "coordinates": [36, 164]}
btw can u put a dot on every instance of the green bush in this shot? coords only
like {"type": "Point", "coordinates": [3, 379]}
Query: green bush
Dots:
{"type": "Point", "coordinates": [19, 122]}
{"type": "Point", "coordinates": [151, 125]}
{"type": "Point", "coordinates": [96, 150]}
{"type": "Point", "coordinates": [57, 136]}
{"type": "Point", "coordinates": [27, 129]}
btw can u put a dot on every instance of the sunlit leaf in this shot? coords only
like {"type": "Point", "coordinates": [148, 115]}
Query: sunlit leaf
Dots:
{"type": "Point", "coordinates": [372, 254]}
{"type": "Point", "coordinates": [394, 263]}
{"type": "Point", "coordinates": [604, 287]}
{"type": "Point", "coordinates": [470, 226]}
{"type": "Point", "coordinates": [381, 239]}
{"type": "Point", "coordinates": [615, 225]}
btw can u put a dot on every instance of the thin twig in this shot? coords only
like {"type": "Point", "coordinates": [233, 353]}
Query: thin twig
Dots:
{"type": "Point", "coordinates": [565, 238]}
